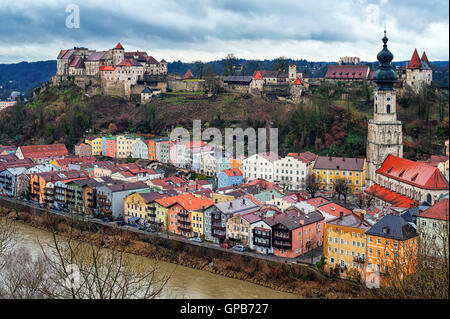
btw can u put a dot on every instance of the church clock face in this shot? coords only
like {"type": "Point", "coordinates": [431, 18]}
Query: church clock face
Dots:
{"type": "Point", "coordinates": [388, 99]}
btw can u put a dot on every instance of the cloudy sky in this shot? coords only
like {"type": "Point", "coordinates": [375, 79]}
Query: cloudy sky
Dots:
{"type": "Point", "coordinates": [190, 30]}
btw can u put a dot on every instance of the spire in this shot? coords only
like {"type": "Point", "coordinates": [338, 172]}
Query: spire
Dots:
{"type": "Point", "coordinates": [415, 61]}
{"type": "Point", "coordinates": [424, 60]}
{"type": "Point", "coordinates": [385, 76]}
{"type": "Point", "coordinates": [119, 46]}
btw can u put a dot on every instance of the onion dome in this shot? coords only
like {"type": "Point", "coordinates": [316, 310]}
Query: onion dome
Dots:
{"type": "Point", "coordinates": [385, 76]}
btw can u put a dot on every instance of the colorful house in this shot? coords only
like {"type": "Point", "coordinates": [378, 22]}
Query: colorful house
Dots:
{"type": "Point", "coordinates": [328, 169]}
{"type": "Point", "coordinates": [180, 212]}
{"type": "Point", "coordinates": [391, 246]}
{"type": "Point", "coordinates": [96, 144]}
{"type": "Point", "coordinates": [137, 209]}
{"type": "Point", "coordinates": [295, 233]}
{"type": "Point", "coordinates": [109, 145]}
{"type": "Point", "coordinates": [229, 177]}
{"type": "Point", "coordinates": [344, 245]}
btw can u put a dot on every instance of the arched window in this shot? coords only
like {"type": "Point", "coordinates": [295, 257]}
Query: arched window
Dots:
{"type": "Point", "coordinates": [429, 198]}
{"type": "Point", "coordinates": [388, 108]}
{"type": "Point", "coordinates": [376, 107]}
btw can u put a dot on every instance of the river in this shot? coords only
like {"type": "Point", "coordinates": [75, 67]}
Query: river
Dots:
{"type": "Point", "coordinates": [184, 282]}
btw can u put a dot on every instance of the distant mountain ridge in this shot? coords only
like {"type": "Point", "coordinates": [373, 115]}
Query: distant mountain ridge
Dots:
{"type": "Point", "coordinates": [25, 76]}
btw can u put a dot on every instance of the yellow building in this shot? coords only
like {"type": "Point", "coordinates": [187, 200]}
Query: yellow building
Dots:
{"type": "Point", "coordinates": [144, 207]}
{"type": "Point", "coordinates": [125, 145]}
{"type": "Point", "coordinates": [328, 169]}
{"type": "Point", "coordinates": [197, 223]}
{"type": "Point", "coordinates": [344, 246]}
{"type": "Point", "coordinates": [220, 198]}
{"type": "Point", "coordinates": [96, 144]}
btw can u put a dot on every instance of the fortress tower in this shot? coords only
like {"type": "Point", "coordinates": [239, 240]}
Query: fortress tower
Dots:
{"type": "Point", "coordinates": [384, 131]}
{"type": "Point", "coordinates": [118, 54]}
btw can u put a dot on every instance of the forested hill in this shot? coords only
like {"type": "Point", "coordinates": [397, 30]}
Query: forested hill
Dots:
{"type": "Point", "coordinates": [24, 77]}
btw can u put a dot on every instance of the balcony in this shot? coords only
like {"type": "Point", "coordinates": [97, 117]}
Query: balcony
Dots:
{"type": "Point", "coordinates": [281, 238]}
{"type": "Point", "coordinates": [152, 214]}
{"type": "Point", "coordinates": [218, 227]}
{"type": "Point", "coordinates": [184, 228]}
{"type": "Point", "coordinates": [184, 222]}
{"type": "Point", "coordinates": [261, 235]}
{"type": "Point", "coordinates": [183, 214]}
{"type": "Point", "coordinates": [267, 245]}
{"type": "Point", "coordinates": [215, 218]}
{"type": "Point", "coordinates": [282, 245]}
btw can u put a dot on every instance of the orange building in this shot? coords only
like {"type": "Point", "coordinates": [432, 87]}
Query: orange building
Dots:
{"type": "Point", "coordinates": [236, 163]}
{"type": "Point", "coordinates": [391, 249]}
{"type": "Point", "coordinates": [180, 209]}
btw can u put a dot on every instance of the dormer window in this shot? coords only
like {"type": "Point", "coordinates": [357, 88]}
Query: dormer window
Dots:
{"type": "Point", "coordinates": [389, 170]}
{"type": "Point", "coordinates": [401, 173]}
{"type": "Point", "coordinates": [414, 177]}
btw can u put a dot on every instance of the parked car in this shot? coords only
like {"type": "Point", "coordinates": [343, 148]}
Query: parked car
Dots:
{"type": "Point", "coordinates": [120, 223]}
{"type": "Point", "coordinates": [142, 227]}
{"type": "Point", "coordinates": [150, 229]}
{"type": "Point", "coordinates": [225, 245]}
{"type": "Point", "coordinates": [106, 219]}
{"type": "Point", "coordinates": [197, 239]}
{"type": "Point", "coordinates": [240, 248]}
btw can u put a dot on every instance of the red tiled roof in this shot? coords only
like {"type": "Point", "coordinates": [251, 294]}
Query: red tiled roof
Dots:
{"type": "Point", "coordinates": [334, 209]}
{"type": "Point", "coordinates": [347, 72]}
{"type": "Point", "coordinates": [118, 46]}
{"type": "Point", "coordinates": [393, 198]}
{"type": "Point", "coordinates": [424, 57]}
{"type": "Point", "coordinates": [77, 62]}
{"type": "Point", "coordinates": [107, 68]}
{"type": "Point", "coordinates": [61, 53]}
{"type": "Point", "coordinates": [297, 82]}
{"type": "Point", "coordinates": [44, 151]}
{"type": "Point", "coordinates": [316, 201]}
{"type": "Point", "coordinates": [306, 157]}
{"type": "Point", "coordinates": [96, 56]}
{"type": "Point", "coordinates": [188, 74]}
{"type": "Point", "coordinates": [415, 61]}
{"type": "Point", "coordinates": [232, 172]}
{"type": "Point", "coordinates": [129, 62]}
{"type": "Point", "coordinates": [258, 76]}
{"type": "Point", "coordinates": [371, 74]}
{"type": "Point", "coordinates": [438, 211]}
{"type": "Point", "coordinates": [414, 173]}
{"type": "Point", "coordinates": [152, 60]}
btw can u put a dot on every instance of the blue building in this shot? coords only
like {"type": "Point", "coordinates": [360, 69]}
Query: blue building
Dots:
{"type": "Point", "coordinates": [229, 177]}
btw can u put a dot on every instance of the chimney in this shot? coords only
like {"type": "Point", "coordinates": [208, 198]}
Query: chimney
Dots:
{"type": "Point", "coordinates": [231, 205]}
{"type": "Point", "coordinates": [343, 159]}
{"type": "Point", "coordinates": [302, 222]}
{"type": "Point", "coordinates": [341, 215]}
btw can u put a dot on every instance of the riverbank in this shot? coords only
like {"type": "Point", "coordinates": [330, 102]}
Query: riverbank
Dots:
{"type": "Point", "coordinates": [304, 281]}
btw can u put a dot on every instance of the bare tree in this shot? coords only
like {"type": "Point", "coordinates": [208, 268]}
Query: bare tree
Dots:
{"type": "Point", "coordinates": [312, 185]}
{"type": "Point", "coordinates": [341, 187]}
{"type": "Point", "coordinates": [83, 270]}
{"type": "Point", "coordinates": [420, 269]}
{"type": "Point", "coordinates": [7, 229]}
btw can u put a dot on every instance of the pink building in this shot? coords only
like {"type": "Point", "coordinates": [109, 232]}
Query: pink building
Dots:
{"type": "Point", "coordinates": [110, 147]}
{"type": "Point", "coordinates": [295, 233]}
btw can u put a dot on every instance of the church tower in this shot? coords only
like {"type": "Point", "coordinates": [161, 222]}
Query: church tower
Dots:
{"type": "Point", "coordinates": [384, 131]}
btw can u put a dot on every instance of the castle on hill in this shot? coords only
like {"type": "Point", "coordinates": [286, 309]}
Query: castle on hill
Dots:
{"type": "Point", "coordinates": [112, 72]}
{"type": "Point", "coordinates": [417, 73]}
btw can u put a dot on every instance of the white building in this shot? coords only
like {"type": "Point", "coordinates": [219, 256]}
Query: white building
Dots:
{"type": "Point", "coordinates": [261, 165]}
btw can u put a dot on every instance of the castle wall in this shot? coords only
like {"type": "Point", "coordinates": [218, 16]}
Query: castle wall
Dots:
{"type": "Point", "coordinates": [190, 86]}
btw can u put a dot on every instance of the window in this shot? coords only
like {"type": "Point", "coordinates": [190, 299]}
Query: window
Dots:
{"type": "Point", "coordinates": [388, 108]}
